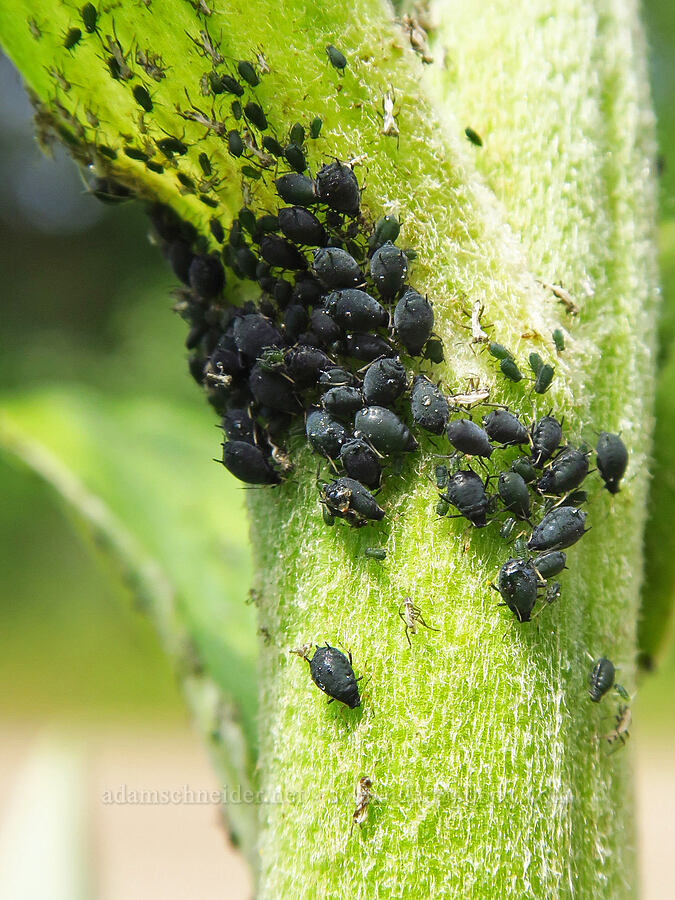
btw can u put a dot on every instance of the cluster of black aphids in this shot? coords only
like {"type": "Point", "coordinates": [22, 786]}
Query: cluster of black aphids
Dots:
{"type": "Point", "coordinates": [323, 342]}
{"type": "Point", "coordinates": [551, 477]}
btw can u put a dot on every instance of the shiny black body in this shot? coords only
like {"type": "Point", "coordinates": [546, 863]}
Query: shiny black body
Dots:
{"type": "Point", "coordinates": [600, 679]}
{"type": "Point", "coordinates": [384, 382]}
{"type": "Point", "coordinates": [517, 584]}
{"type": "Point", "coordinates": [429, 407]}
{"type": "Point", "coordinates": [337, 187]}
{"type": "Point", "coordinates": [348, 499]}
{"type": "Point", "coordinates": [360, 462]}
{"type": "Point", "coordinates": [413, 321]}
{"type": "Point", "coordinates": [388, 269]}
{"type": "Point", "coordinates": [467, 437]}
{"type": "Point", "coordinates": [384, 430]}
{"type": "Point", "coordinates": [504, 428]}
{"type": "Point", "coordinates": [612, 459]}
{"type": "Point", "coordinates": [332, 672]}
{"type": "Point", "coordinates": [355, 310]}
{"type": "Point", "coordinates": [325, 434]}
{"type": "Point", "coordinates": [546, 436]}
{"type": "Point", "coordinates": [560, 528]}
{"type": "Point", "coordinates": [335, 268]}
{"type": "Point", "coordinates": [565, 473]}
{"type": "Point", "coordinates": [466, 492]}
{"type": "Point", "coordinates": [514, 494]}
{"type": "Point", "coordinates": [248, 463]}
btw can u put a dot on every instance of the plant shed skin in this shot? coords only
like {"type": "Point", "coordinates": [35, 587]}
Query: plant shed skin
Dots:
{"type": "Point", "coordinates": [489, 775]}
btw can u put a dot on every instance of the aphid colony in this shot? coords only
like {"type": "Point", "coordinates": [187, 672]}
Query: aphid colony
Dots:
{"type": "Point", "coordinates": [323, 345]}
{"type": "Point", "coordinates": [541, 490]}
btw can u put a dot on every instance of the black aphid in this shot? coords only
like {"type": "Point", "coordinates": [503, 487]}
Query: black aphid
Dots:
{"type": "Point", "coordinates": [413, 321]}
{"type": "Point", "coordinates": [206, 276]}
{"type": "Point", "coordinates": [300, 225]}
{"type": "Point", "coordinates": [360, 462]}
{"type": "Point", "coordinates": [239, 426]}
{"type": "Point", "coordinates": [229, 85]}
{"type": "Point", "coordinates": [467, 437]}
{"type": "Point", "coordinates": [560, 528]}
{"type": "Point", "coordinates": [225, 358]}
{"type": "Point", "coordinates": [142, 97]}
{"type": "Point", "coordinates": [172, 146]}
{"type": "Point", "coordinates": [296, 189]}
{"type": "Point", "coordinates": [325, 434]}
{"type": "Point", "coordinates": [343, 401]}
{"type": "Point", "coordinates": [473, 136]}
{"type": "Point", "coordinates": [278, 252]}
{"type": "Point", "coordinates": [235, 144]}
{"type": "Point", "coordinates": [384, 382]}
{"type": "Point", "coordinates": [296, 320]}
{"type": "Point", "coordinates": [546, 437]}
{"type": "Point", "coordinates": [72, 37]}
{"type": "Point", "coordinates": [384, 430]}
{"type": "Point", "coordinates": [324, 329]}
{"type": "Point", "coordinates": [433, 351]}
{"type": "Point", "coordinates": [388, 269]}
{"type": "Point", "coordinates": [504, 428]}
{"type": "Point", "coordinates": [612, 460]}
{"type": "Point", "coordinates": [565, 473]}
{"type": "Point", "coordinates": [355, 310]}
{"type": "Point", "coordinates": [248, 463]}
{"type": "Point", "coordinates": [252, 333]}
{"type": "Point", "coordinates": [217, 230]}
{"type": "Point", "coordinates": [337, 59]}
{"type": "Point", "coordinates": [600, 679]}
{"type": "Point", "coordinates": [337, 187]}
{"type": "Point", "coordinates": [180, 257]}
{"type": "Point", "coordinates": [514, 494]}
{"type": "Point", "coordinates": [429, 407]}
{"type": "Point", "coordinates": [89, 17]}
{"type": "Point", "coordinates": [550, 564]}
{"type": "Point", "coordinates": [305, 364]}
{"type": "Point", "coordinates": [335, 377]}
{"type": "Point", "coordinates": [272, 390]}
{"type": "Point", "coordinates": [558, 340]}
{"type": "Point", "coordinates": [135, 153]}
{"type": "Point", "coordinates": [466, 492]}
{"type": "Point", "coordinates": [307, 290]}
{"type": "Point", "coordinates": [255, 115]}
{"type": "Point", "coordinates": [348, 499]}
{"type": "Point", "coordinates": [295, 158]}
{"type": "Point", "coordinates": [332, 672]}
{"type": "Point", "coordinates": [336, 268]}
{"type": "Point", "coordinates": [248, 73]}
{"type": "Point", "coordinates": [315, 127]}
{"type": "Point", "coordinates": [517, 584]}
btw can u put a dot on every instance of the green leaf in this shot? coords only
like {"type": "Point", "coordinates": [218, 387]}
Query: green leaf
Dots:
{"type": "Point", "coordinates": [172, 522]}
